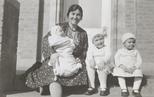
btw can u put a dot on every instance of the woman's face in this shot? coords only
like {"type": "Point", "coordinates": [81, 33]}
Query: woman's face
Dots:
{"type": "Point", "coordinates": [74, 17]}
{"type": "Point", "coordinates": [129, 43]}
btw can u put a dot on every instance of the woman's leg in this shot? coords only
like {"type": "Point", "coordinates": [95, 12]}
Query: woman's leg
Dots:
{"type": "Point", "coordinates": [55, 89]}
{"type": "Point", "coordinates": [91, 76]}
{"type": "Point", "coordinates": [41, 90]}
{"type": "Point", "coordinates": [137, 83]}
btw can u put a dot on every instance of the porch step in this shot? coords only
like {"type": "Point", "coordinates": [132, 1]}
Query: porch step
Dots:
{"type": "Point", "coordinates": [22, 91]}
{"type": "Point", "coordinates": [114, 92]}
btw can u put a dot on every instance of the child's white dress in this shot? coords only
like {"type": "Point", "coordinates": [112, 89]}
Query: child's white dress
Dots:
{"type": "Point", "coordinates": [66, 64]}
{"type": "Point", "coordinates": [129, 58]}
{"type": "Point", "coordinates": [98, 56]}
{"type": "Point", "coordinates": [95, 58]}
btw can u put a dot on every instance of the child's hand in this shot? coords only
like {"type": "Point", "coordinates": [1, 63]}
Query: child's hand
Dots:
{"type": "Point", "coordinates": [90, 63]}
{"type": "Point", "coordinates": [92, 66]}
{"type": "Point", "coordinates": [125, 68]}
{"type": "Point", "coordinates": [105, 30]}
{"type": "Point", "coordinates": [107, 71]}
{"type": "Point", "coordinates": [100, 67]}
{"type": "Point", "coordinates": [132, 69]}
{"type": "Point", "coordinates": [78, 60]}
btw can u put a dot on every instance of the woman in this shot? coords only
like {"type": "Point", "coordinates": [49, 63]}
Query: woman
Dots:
{"type": "Point", "coordinates": [44, 75]}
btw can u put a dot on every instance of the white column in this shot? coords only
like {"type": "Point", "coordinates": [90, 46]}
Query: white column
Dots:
{"type": "Point", "coordinates": [106, 19]}
{"type": "Point", "coordinates": [54, 9]}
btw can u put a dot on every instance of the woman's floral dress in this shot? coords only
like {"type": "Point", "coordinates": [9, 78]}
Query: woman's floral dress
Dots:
{"type": "Point", "coordinates": [44, 75]}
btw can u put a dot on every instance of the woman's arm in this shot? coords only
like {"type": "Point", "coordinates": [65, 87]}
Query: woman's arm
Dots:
{"type": "Point", "coordinates": [46, 50]}
{"type": "Point", "coordinates": [84, 45]}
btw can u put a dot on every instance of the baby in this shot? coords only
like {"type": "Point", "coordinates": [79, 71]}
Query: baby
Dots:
{"type": "Point", "coordinates": [97, 60]}
{"type": "Point", "coordinates": [128, 64]}
{"type": "Point", "coordinates": [65, 64]}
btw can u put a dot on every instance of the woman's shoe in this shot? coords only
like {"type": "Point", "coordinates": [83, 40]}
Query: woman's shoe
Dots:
{"type": "Point", "coordinates": [136, 94]}
{"type": "Point", "coordinates": [91, 91]}
{"type": "Point", "coordinates": [104, 92]}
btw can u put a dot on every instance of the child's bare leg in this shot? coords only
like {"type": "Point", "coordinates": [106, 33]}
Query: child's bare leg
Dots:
{"type": "Point", "coordinates": [122, 83]}
{"type": "Point", "coordinates": [91, 76]}
{"type": "Point", "coordinates": [137, 84]}
{"type": "Point", "coordinates": [104, 91]}
{"type": "Point", "coordinates": [136, 87]}
{"type": "Point", "coordinates": [102, 79]}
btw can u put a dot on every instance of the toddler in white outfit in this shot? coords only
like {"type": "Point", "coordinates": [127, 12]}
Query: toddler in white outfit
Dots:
{"type": "Point", "coordinates": [65, 64]}
{"type": "Point", "coordinates": [128, 64]}
{"type": "Point", "coordinates": [97, 60]}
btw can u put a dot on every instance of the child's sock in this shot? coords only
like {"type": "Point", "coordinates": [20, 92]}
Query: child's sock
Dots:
{"type": "Point", "coordinates": [136, 91]}
{"type": "Point", "coordinates": [124, 90]}
{"type": "Point", "coordinates": [103, 89]}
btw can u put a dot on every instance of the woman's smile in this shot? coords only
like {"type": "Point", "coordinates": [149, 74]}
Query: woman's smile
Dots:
{"type": "Point", "coordinates": [74, 17]}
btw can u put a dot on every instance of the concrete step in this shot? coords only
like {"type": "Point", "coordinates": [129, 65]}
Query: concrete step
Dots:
{"type": "Point", "coordinates": [22, 91]}
{"type": "Point", "coordinates": [114, 92]}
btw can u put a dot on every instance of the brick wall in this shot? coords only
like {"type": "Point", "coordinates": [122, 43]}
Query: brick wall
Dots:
{"type": "Point", "coordinates": [28, 29]}
{"type": "Point", "coordinates": [27, 36]}
{"type": "Point", "coordinates": [1, 22]}
{"type": "Point", "coordinates": [145, 33]}
{"type": "Point", "coordinates": [126, 20]}
{"type": "Point", "coordinates": [137, 16]}
{"type": "Point", "coordinates": [49, 15]}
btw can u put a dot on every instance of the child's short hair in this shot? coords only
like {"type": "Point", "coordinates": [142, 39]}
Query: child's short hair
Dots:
{"type": "Point", "coordinates": [127, 36]}
{"type": "Point", "coordinates": [96, 36]}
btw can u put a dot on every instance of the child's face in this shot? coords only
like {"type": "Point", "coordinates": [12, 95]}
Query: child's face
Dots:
{"type": "Point", "coordinates": [60, 32]}
{"type": "Point", "coordinates": [129, 43]}
{"type": "Point", "coordinates": [99, 42]}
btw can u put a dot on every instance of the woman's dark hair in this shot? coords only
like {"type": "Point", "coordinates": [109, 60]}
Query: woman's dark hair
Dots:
{"type": "Point", "coordinates": [75, 7]}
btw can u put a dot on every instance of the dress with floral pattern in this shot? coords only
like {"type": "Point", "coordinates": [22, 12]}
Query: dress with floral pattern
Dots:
{"type": "Point", "coordinates": [44, 75]}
